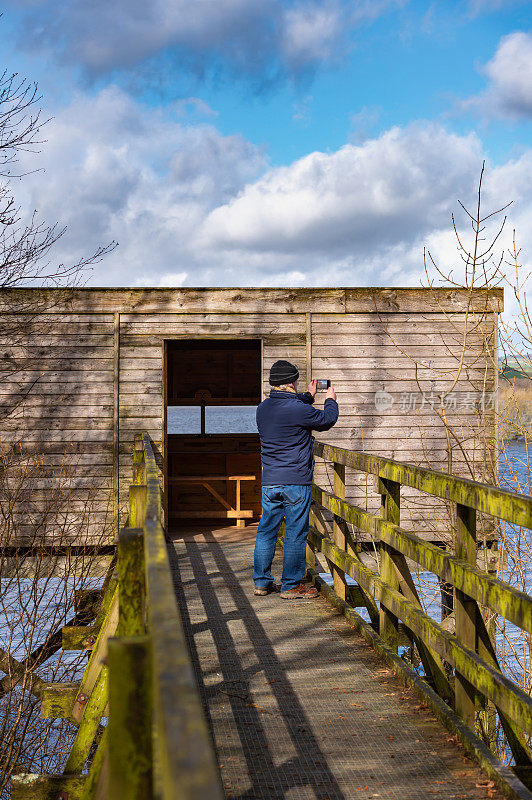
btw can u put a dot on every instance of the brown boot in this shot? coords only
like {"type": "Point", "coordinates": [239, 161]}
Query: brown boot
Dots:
{"type": "Point", "coordinates": [262, 591]}
{"type": "Point", "coordinates": [300, 592]}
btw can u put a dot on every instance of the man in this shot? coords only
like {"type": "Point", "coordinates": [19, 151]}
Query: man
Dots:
{"type": "Point", "coordinates": [285, 420]}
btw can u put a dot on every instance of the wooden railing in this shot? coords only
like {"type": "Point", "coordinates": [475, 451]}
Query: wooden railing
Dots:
{"type": "Point", "coordinates": [139, 676]}
{"type": "Point", "coordinates": [390, 595]}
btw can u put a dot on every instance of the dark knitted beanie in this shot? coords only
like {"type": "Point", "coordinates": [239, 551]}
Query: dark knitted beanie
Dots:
{"type": "Point", "coordinates": [283, 372]}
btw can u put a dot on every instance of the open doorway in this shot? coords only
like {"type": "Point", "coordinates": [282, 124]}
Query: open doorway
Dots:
{"type": "Point", "coordinates": [213, 387]}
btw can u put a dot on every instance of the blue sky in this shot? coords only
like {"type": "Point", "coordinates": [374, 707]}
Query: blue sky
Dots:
{"type": "Point", "coordinates": [226, 142]}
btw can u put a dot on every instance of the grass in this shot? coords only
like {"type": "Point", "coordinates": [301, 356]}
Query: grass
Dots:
{"type": "Point", "coordinates": [515, 409]}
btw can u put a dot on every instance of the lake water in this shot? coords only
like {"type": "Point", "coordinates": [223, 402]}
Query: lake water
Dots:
{"type": "Point", "coordinates": [218, 419]}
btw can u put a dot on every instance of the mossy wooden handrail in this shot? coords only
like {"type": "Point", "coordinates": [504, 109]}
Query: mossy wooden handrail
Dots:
{"type": "Point", "coordinates": [508, 506]}
{"type": "Point", "coordinates": [157, 743]}
{"type": "Point", "coordinates": [184, 751]}
{"type": "Point", "coordinates": [469, 650]}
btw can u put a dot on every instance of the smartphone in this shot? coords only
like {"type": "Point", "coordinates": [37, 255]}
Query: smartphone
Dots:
{"type": "Point", "coordinates": [323, 384]}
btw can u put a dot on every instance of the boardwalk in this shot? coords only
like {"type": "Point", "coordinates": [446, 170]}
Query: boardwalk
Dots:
{"type": "Point", "coordinates": [300, 707]}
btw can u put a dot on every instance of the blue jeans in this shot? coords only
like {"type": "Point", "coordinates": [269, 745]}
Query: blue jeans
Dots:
{"type": "Point", "coordinates": [291, 502]}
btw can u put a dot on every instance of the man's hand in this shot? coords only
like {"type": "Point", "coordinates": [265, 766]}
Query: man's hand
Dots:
{"type": "Point", "coordinates": [313, 387]}
{"type": "Point", "coordinates": [330, 393]}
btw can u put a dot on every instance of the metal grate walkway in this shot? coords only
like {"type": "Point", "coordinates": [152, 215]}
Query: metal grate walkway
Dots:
{"type": "Point", "coordinates": [300, 707]}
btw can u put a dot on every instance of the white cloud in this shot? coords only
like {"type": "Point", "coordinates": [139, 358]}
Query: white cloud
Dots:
{"type": "Point", "coordinates": [509, 74]}
{"type": "Point", "coordinates": [311, 33]}
{"type": "Point", "coordinates": [190, 206]}
{"type": "Point", "coordinates": [115, 169]}
{"type": "Point", "coordinates": [362, 197]}
{"type": "Point", "coordinates": [168, 279]}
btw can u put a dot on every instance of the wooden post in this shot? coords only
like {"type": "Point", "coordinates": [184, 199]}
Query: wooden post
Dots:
{"type": "Point", "coordinates": [94, 709]}
{"type": "Point", "coordinates": [137, 505]}
{"type": "Point", "coordinates": [116, 419]}
{"type": "Point", "coordinates": [130, 719]}
{"type": "Point", "coordinates": [131, 583]}
{"type": "Point", "coordinates": [240, 523]}
{"type": "Point", "coordinates": [465, 610]}
{"type": "Point", "coordinates": [308, 340]}
{"type": "Point", "coordinates": [311, 555]}
{"type": "Point", "coordinates": [202, 412]}
{"type": "Point", "coordinates": [339, 537]}
{"type": "Point", "coordinates": [390, 492]}
{"type": "Point", "coordinates": [96, 784]}
{"type": "Point", "coordinates": [139, 461]}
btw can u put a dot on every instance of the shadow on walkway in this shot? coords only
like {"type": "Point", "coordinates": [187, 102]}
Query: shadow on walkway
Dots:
{"type": "Point", "coordinates": [269, 779]}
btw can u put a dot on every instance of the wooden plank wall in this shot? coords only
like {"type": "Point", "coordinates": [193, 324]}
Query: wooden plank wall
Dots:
{"type": "Point", "coordinates": [91, 364]}
{"type": "Point", "coordinates": [410, 359]}
{"type": "Point", "coordinates": [56, 406]}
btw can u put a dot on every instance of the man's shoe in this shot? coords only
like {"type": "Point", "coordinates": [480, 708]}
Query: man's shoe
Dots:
{"type": "Point", "coordinates": [261, 591]}
{"type": "Point", "coordinates": [300, 592]}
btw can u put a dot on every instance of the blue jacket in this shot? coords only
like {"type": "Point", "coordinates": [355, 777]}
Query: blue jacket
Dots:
{"type": "Point", "coordinates": [285, 421]}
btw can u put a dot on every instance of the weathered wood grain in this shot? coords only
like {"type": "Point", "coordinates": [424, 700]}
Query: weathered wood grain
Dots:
{"type": "Point", "coordinates": [196, 300]}
{"type": "Point", "coordinates": [25, 424]}
{"type": "Point", "coordinates": [404, 299]}
{"type": "Point", "coordinates": [70, 339]}
{"type": "Point", "coordinates": [347, 338]}
{"type": "Point", "coordinates": [192, 329]}
{"type": "Point", "coordinates": [20, 390]}
{"type": "Point", "coordinates": [255, 300]}
{"type": "Point", "coordinates": [77, 376]}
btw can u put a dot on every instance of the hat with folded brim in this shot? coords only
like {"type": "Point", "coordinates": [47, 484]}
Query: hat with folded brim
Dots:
{"type": "Point", "coordinates": [283, 372]}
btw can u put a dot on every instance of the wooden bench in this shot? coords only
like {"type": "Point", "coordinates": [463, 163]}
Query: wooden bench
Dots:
{"type": "Point", "coordinates": [228, 511]}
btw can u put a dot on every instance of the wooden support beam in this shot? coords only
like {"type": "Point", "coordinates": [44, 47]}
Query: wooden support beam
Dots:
{"type": "Point", "coordinates": [431, 661]}
{"type": "Point", "coordinates": [390, 492]}
{"type": "Point", "coordinates": [58, 700]}
{"type": "Point", "coordinates": [87, 601]}
{"type": "Point", "coordinates": [89, 724]}
{"type": "Point", "coordinates": [18, 672]}
{"type": "Point", "coordinates": [516, 740]}
{"type": "Point", "coordinates": [98, 654]}
{"type": "Point", "coordinates": [96, 783]}
{"type": "Point", "coordinates": [28, 786]}
{"type": "Point", "coordinates": [207, 514]}
{"type": "Point", "coordinates": [465, 611]}
{"type": "Point", "coordinates": [338, 535]}
{"type": "Point", "coordinates": [79, 637]}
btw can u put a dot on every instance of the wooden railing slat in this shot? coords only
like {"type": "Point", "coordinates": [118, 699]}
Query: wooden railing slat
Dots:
{"type": "Point", "coordinates": [465, 610]}
{"type": "Point", "coordinates": [489, 681]}
{"type": "Point", "coordinates": [390, 492]}
{"type": "Point", "coordinates": [506, 600]}
{"type": "Point", "coordinates": [185, 756]}
{"type": "Point", "coordinates": [505, 505]}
